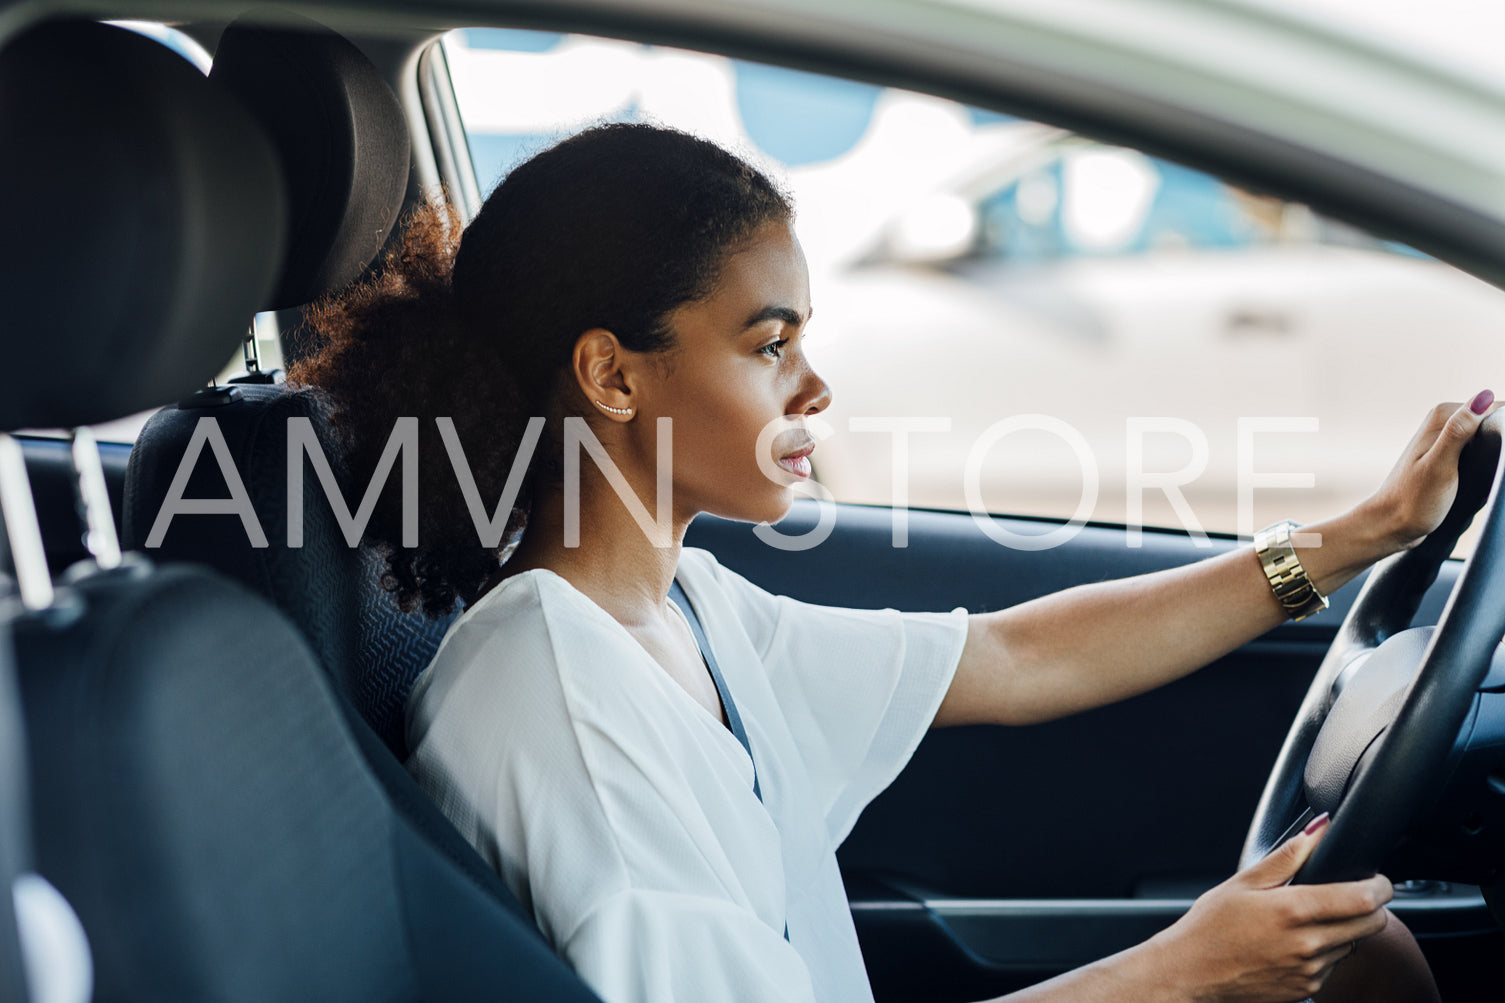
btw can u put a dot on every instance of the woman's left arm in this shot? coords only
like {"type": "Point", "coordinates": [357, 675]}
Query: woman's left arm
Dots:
{"type": "Point", "coordinates": [1095, 644]}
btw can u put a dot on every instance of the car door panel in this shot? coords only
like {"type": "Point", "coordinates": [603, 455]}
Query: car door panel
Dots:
{"type": "Point", "coordinates": [970, 949]}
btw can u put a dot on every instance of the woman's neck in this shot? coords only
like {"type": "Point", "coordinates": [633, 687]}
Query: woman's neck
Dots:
{"type": "Point", "coordinates": [617, 562]}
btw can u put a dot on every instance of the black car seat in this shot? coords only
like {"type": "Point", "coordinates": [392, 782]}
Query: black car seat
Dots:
{"type": "Point", "coordinates": [343, 144]}
{"type": "Point", "coordinates": [197, 793]}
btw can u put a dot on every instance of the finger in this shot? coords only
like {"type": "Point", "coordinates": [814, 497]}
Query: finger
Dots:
{"type": "Point", "coordinates": [1345, 900]}
{"type": "Point", "coordinates": [1331, 936]}
{"type": "Point", "coordinates": [1280, 865]}
{"type": "Point", "coordinates": [1459, 429]}
{"type": "Point", "coordinates": [1315, 972]}
{"type": "Point", "coordinates": [1426, 432]}
{"type": "Point", "coordinates": [1325, 962]}
{"type": "Point", "coordinates": [1436, 418]}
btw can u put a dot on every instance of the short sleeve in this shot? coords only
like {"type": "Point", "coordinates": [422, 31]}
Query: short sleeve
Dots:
{"type": "Point", "coordinates": [858, 688]}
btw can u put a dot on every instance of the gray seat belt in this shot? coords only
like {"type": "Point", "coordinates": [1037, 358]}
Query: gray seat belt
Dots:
{"type": "Point", "coordinates": [733, 719]}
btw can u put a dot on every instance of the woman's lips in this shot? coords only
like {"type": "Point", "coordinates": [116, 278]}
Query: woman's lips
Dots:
{"type": "Point", "coordinates": [798, 462]}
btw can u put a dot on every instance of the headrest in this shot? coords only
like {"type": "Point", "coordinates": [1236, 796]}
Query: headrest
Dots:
{"type": "Point", "coordinates": [144, 225]}
{"type": "Point", "coordinates": [340, 136]}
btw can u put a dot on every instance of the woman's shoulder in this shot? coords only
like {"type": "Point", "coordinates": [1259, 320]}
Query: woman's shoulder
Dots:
{"type": "Point", "coordinates": [535, 616]}
{"type": "Point", "coordinates": [527, 632]}
{"type": "Point", "coordinates": [515, 605]}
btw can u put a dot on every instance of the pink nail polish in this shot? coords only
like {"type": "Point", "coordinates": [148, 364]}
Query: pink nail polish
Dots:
{"type": "Point", "coordinates": [1315, 824]}
{"type": "Point", "coordinates": [1481, 403]}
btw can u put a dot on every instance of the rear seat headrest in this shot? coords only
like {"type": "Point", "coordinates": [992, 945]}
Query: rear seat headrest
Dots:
{"type": "Point", "coordinates": [145, 223]}
{"type": "Point", "coordinates": [340, 136]}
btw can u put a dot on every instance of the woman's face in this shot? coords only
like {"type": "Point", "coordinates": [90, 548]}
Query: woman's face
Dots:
{"type": "Point", "coordinates": [738, 385]}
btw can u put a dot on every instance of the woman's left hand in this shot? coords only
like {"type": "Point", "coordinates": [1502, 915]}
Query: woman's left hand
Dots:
{"type": "Point", "coordinates": [1420, 489]}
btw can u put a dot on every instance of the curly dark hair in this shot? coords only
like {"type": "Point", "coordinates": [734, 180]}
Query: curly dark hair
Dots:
{"type": "Point", "coordinates": [613, 228]}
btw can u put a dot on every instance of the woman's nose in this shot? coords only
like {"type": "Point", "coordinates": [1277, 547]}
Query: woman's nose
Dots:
{"type": "Point", "coordinates": [816, 396]}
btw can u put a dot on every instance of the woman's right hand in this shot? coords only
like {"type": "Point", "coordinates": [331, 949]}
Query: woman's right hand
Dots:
{"type": "Point", "coordinates": [1256, 939]}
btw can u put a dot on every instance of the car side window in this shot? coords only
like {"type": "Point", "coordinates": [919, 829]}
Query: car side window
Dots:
{"type": "Point", "coordinates": [1090, 199]}
{"type": "Point", "coordinates": [1094, 200]}
{"type": "Point", "coordinates": [1017, 319]}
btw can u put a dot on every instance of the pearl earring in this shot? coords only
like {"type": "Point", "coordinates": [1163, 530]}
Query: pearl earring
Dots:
{"type": "Point", "coordinates": [613, 410]}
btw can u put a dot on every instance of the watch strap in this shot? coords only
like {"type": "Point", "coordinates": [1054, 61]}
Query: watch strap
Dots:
{"type": "Point", "coordinates": [1289, 581]}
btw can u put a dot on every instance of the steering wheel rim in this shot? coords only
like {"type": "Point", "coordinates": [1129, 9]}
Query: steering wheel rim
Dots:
{"type": "Point", "coordinates": [1394, 777]}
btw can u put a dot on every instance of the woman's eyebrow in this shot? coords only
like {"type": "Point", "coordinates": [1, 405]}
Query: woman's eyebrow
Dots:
{"type": "Point", "coordinates": [787, 315]}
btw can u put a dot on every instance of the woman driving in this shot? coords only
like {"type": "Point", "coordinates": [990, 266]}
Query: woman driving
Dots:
{"type": "Point", "coordinates": [659, 757]}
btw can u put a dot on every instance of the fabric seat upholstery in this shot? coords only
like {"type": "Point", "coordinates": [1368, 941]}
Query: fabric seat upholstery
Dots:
{"type": "Point", "coordinates": [371, 649]}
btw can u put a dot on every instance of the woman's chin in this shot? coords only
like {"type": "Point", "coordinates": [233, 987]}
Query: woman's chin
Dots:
{"type": "Point", "coordinates": [776, 514]}
{"type": "Point", "coordinates": [759, 510]}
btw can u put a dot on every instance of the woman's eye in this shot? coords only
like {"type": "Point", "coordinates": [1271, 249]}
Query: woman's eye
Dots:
{"type": "Point", "coordinates": [774, 349]}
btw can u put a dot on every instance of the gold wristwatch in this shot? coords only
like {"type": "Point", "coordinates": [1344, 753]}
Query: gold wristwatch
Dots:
{"type": "Point", "coordinates": [1288, 579]}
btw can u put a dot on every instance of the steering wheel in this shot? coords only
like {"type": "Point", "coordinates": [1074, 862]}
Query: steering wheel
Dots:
{"type": "Point", "coordinates": [1373, 737]}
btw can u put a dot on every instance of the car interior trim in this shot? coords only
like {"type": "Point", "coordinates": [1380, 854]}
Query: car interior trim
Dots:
{"type": "Point", "coordinates": [23, 534]}
{"type": "Point", "coordinates": [446, 132]}
{"type": "Point", "coordinates": [1011, 932]}
{"type": "Point", "coordinates": [100, 538]}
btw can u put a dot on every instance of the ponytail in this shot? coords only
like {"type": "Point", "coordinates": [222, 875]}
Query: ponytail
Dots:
{"type": "Point", "coordinates": [394, 346]}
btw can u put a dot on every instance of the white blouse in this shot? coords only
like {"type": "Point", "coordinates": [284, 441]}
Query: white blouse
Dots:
{"type": "Point", "coordinates": [622, 813]}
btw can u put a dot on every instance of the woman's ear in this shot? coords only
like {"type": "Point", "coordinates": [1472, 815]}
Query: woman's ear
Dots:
{"type": "Point", "coordinates": [599, 371]}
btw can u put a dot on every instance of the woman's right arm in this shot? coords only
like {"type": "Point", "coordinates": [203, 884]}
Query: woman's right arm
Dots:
{"type": "Point", "coordinates": [1252, 939]}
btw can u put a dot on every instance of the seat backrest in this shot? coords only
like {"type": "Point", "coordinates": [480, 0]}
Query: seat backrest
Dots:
{"type": "Point", "coordinates": [200, 792]}
{"type": "Point", "coordinates": [205, 810]}
{"type": "Point", "coordinates": [342, 142]}
{"type": "Point", "coordinates": [371, 649]}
